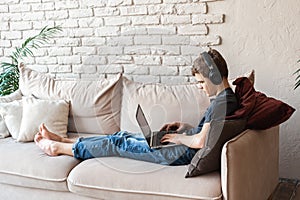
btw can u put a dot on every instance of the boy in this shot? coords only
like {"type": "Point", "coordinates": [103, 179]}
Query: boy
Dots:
{"type": "Point", "coordinates": [210, 70]}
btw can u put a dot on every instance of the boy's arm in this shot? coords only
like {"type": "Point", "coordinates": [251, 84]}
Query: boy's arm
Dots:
{"type": "Point", "coordinates": [193, 141]}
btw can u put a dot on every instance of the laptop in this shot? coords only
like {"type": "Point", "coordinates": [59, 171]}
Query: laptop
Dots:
{"type": "Point", "coordinates": [153, 138]}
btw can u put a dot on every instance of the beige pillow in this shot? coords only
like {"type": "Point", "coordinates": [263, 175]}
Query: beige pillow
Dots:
{"type": "Point", "coordinates": [250, 75]}
{"type": "Point", "coordinates": [54, 113]}
{"type": "Point", "coordinates": [94, 105]}
{"type": "Point", "coordinates": [12, 115]}
{"type": "Point", "coordinates": [161, 104]}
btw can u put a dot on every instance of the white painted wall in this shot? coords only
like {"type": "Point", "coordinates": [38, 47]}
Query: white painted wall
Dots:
{"type": "Point", "coordinates": [265, 35]}
{"type": "Point", "coordinates": [156, 41]}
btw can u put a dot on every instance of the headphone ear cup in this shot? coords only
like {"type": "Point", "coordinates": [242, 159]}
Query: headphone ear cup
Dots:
{"type": "Point", "coordinates": [214, 74]}
{"type": "Point", "coordinates": [215, 77]}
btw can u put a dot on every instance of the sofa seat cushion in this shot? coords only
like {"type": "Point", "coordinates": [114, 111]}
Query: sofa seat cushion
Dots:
{"type": "Point", "coordinates": [24, 164]}
{"type": "Point", "coordinates": [121, 178]}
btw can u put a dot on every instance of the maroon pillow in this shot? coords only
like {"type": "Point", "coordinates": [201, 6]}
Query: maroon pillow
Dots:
{"type": "Point", "coordinates": [268, 112]}
{"type": "Point", "coordinates": [245, 94]}
{"type": "Point", "coordinates": [261, 111]}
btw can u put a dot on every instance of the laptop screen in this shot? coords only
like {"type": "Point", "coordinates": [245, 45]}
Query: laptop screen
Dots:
{"type": "Point", "coordinates": [142, 121]}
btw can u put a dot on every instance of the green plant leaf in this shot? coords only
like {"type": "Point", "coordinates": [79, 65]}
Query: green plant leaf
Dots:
{"type": "Point", "coordinates": [297, 85]}
{"type": "Point", "coordinates": [4, 64]}
{"type": "Point", "coordinates": [296, 72]}
{"type": "Point", "coordinates": [9, 77]}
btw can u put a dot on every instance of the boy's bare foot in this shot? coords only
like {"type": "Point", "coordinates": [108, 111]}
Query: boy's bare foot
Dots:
{"type": "Point", "coordinates": [48, 146]}
{"type": "Point", "coordinates": [49, 135]}
{"type": "Point", "coordinates": [52, 136]}
{"type": "Point", "coordinates": [37, 137]}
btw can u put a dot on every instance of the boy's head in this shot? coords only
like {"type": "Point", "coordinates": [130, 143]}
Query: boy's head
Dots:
{"type": "Point", "coordinates": [200, 65]}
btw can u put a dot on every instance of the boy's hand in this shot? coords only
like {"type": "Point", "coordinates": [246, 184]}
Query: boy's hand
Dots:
{"type": "Point", "coordinates": [173, 138]}
{"type": "Point", "coordinates": [176, 126]}
{"type": "Point", "coordinates": [171, 127]}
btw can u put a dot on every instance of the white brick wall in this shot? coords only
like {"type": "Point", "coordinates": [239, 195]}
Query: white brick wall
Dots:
{"type": "Point", "coordinates": [147, 40]}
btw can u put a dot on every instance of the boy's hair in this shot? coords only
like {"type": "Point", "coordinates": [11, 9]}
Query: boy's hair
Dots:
{"type": "Point", "coordinates": [200, 66]}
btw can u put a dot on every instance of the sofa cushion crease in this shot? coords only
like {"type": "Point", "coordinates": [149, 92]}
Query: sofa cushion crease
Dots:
{"type": "Point", "coordinates": [33, 177]}
{"type": "Point", "coordinates": [27, 182]}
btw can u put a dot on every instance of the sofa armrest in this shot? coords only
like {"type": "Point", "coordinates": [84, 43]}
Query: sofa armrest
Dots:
{"type": "Point", "coordinates": [250, 165]}
{"type": "Point", "coordinates": [16, 95]}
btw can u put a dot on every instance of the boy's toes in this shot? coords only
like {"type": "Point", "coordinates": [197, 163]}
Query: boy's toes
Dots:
{"type": "Point", "coordinates": [37, 137]}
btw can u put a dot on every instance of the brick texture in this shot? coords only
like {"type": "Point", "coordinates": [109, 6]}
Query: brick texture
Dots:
{"type": "Point", "coordinates": [147, 40]}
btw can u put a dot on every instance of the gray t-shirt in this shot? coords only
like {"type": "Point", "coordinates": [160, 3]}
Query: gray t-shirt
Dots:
{"type": "Point", "coordinates": [223, 105]}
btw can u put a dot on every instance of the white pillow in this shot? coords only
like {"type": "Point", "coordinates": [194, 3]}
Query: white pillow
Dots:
{"type": "Point", "coordinates": [54, 113]}
{"type": "Point", "coordinates": [12, 114]}
{"type": "Point", "coordinates": [17, 95]}
{"type": "Point", "coordinates": [3, 129]}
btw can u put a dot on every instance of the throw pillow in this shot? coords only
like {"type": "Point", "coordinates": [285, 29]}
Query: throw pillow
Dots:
{"type": "Point", "coordinates": [54, 113]}
{"type": "Point", "coordinates": [12, 115]}
{"type": "Point", "coordinates": [244, 92]}
{"type": "Point", "coordinates": [4, 132]}
{"type": "Point", "coordinates": [268, 112]}
{"type": "Point", "coordinates": [208, 159]}
{"type": "Point", "coordinates": [3, 129]}
{"type": "Point", "coordinates": [261, 111]}
{"type": "Point", "coordinates": [16, 95]}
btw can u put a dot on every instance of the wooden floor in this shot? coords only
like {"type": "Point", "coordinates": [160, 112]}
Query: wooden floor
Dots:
{"type": "Point", "coordinates": [287, 190]}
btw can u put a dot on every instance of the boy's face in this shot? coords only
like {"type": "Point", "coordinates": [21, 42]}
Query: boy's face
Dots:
{"type": "Point", "coordinates": [205, 84]}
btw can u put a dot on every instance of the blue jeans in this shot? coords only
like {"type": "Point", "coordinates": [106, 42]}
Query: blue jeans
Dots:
{"type": "Point", "coordinates": [127, 145]}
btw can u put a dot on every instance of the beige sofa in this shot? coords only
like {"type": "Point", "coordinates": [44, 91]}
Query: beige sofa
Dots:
{"type": "Point", "coordinates": [249, 163]}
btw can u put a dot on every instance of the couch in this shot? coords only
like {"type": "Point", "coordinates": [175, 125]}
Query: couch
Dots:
{"type": "Point", "coordinates": [249, 161]}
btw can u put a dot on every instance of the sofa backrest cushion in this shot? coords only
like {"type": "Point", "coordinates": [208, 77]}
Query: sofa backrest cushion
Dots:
{"type": "Point", "coordinates": [208, 158]}
{"type": "Point", "coordinates": [94, 105]}
{"type": "Point", "coordinates": [161, 104]}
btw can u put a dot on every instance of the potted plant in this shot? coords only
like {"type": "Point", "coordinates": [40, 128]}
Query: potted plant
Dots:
{"type": "Point", "coordinates": [9, 77]}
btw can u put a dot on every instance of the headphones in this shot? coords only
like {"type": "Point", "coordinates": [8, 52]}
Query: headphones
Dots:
{"type": "Point", "coordinates": [214, 74]}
